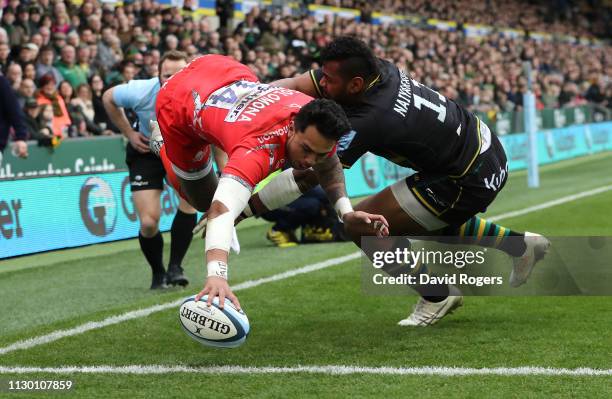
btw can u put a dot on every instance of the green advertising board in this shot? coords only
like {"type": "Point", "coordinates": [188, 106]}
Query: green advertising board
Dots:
{"type": "Point", "coordinates": [72, 157]}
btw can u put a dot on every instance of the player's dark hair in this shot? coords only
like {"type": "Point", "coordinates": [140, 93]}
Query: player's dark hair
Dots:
{"type": "Point", "coordinates": [327, 116]}
{"type": "Point", "coordinates": [355, 57]}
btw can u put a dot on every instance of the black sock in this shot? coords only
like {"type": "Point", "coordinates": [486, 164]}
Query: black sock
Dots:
{"type": "Point", "coordinates": [153, 250]}
{"type": "Point", "coordinates": [181, 235]}
{"type": "Point", "coordinates": [430, 292]}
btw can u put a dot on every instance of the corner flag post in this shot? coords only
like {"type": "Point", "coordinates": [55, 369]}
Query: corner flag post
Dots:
{"type": "Point", "coordinates": [529, 105]}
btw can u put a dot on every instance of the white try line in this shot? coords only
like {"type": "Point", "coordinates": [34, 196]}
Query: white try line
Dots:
{"type": "Point", "coordinates": [54, 336]}
{"type": "Point", "coordinates": [329, 370]}
{"type": "Point", "coordinates": [552, 203]}
{"type": "Point", "coordinates": [93, 325]}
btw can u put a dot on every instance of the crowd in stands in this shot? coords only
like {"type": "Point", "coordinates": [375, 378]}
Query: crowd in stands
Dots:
{"type": "Point", "coordinates": [60, 57]}
{"type": "Point", "coordinates": [570, 17]}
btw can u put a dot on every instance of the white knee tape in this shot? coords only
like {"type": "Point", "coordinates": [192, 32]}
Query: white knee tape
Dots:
{"type": "Point", "coordinates": [281, 190]}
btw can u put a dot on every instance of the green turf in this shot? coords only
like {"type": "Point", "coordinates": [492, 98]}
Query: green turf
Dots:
{"type": "Point", "coordinates": [319, 318]}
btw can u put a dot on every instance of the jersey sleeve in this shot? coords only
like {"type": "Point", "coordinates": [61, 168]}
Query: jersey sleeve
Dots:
{"type": "Point", "coordinates": [316, 75]}
{"type": "Point", "coordinates": [129, 95]}
{"type": "Point", "coordinates": [354, 144]}
{"type": "Point", "coordinates": [250, 165]}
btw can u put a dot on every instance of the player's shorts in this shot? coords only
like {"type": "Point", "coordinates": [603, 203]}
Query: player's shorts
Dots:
{"type": "Point", "coordinates": [436, 201]}
{"type": "Point", "coordinates": [146, 170]}
{"type": "Point", "coordinates": [190, 154]}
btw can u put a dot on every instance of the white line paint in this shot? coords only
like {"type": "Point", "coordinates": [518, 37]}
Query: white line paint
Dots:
{"type": "Point", "coordinates": [552, 203]}
{"type": "Point", "coordinates": [330, 370]}
{"type": "Point", "coordinates": [59, 334]}
{"type": "Point", "coordinates": [54, 336]}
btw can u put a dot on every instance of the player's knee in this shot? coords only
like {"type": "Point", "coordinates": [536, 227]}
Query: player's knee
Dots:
{"type": "Point", "coordinates": [149, 225]}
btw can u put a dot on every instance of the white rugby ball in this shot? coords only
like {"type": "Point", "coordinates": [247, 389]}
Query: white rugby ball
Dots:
{"type": "Point", "coordinates": [212, 326]}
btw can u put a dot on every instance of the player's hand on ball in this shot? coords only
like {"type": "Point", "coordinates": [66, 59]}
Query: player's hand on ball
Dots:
{"type": "Point", "coordinates": [366, 223]}
{"type": "Point", "coordinates": [217, 286]}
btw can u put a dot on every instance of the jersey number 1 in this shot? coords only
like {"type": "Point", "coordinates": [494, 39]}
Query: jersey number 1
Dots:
{"type": "Point", "coordinates": [420, 101]}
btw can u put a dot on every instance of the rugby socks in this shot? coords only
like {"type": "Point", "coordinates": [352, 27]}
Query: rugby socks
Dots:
{"type": "Point", "coordinates": [181, 236]}
{"type": "Point", "coordinates": [430, 292]}
{"type": "Point", "coordinates": [478, 231]}
{"type": "Point", "coordinates": [153, 250]}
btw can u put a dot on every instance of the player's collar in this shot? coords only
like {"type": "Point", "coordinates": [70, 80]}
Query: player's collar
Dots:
{"type": "Point", "coordinates": [372, 83]}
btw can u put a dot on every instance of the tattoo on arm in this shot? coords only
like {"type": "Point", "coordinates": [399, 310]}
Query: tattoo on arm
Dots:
{"type": "Point", "coordinates": [331, 178]}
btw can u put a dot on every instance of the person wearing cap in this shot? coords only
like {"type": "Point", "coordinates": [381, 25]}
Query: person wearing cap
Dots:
{"type": "Point", "coordinates": [11, 116]}
{"type": "Point", "coordinates": [59, 40]}
{"type": "Point", "coordinates": [23, 20]}
{"type": "Point", "coordinates": [16, 33]}
{"type": "Point", "coordinates": [35, 16]}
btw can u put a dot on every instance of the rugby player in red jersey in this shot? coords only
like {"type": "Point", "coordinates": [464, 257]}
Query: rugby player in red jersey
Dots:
{"type": "Point", "coordinates": [216, 100]}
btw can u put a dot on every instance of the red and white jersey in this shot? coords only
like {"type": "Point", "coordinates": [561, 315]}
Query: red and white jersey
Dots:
{"type": "Point", "coordinates": [216, 100]}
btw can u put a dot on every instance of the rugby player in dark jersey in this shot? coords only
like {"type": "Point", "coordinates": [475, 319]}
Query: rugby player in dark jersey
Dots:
{"type": "Point", "coordinates": [461, 166]}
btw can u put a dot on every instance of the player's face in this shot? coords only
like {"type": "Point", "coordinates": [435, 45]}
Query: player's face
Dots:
{"type": "Point", "coordinates": [337, 87]}
{"type": "Point", "coordinates": [332, 82]}
{"type": "Point", "coordinates": [169, 68]}
{"type": "Point", "coordinates": [306, 148]}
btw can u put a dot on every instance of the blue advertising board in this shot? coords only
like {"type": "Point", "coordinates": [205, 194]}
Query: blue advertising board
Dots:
{"type": "Point", "coordinates": [68, 211]}
{"type": "Point", "coordinates": [41, 214]}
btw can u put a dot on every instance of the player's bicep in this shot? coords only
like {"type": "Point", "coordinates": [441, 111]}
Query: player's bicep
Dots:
{"type": "Point", "coordinates": [125, 96]}
{"type": "Point", "coordinates": [303, 83]}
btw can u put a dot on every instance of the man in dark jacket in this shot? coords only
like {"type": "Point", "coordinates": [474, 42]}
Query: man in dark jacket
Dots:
{"type": "Point", "coordinates": [11, 116]}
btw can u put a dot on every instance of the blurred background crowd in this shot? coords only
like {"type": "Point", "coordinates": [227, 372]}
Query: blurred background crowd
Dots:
{"type": "Point", "coordinates": [59, 56]}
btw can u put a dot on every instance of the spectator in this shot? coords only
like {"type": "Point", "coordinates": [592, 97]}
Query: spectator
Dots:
{"type": "Point", "coordinates": [67, 66]}
{"type": "Point", "coordinates": [29, 71]}
{"type": "Point", "coordinates": [5, 52]}
{"type": "Point", "coordinates": [59, 41]}
{"type": "Point", "coordinates": [84, 106]}
{"type": "Point", "coordinates": [44, 66]}
{"type": "Point", "coordinates": [48, 94]}
{"type": "Point", "coordinates": [16, 34]}
{"type": "Point", "coordinates": [14, 74]}
{"type": "Point", "coordinates": [106, 54]}
{"type": "Point", "coordinates": [37, 130]}
{"type": "Point", "coordinates": [45, 119]}
{"type": "Point", "coordinates": [100, 117]}
{"type": "Point", "coordinates": [11, 116]}
{"type": "Point", "coordinates": [26, 91]}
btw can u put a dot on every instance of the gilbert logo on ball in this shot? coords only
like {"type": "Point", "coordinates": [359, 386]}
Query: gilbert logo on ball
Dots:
{"type": "Point", "coordinates": [212, 326]}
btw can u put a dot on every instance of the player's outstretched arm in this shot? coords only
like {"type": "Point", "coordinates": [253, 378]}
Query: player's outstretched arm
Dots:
{"type": "Point", "coordinates": [228, 201]}
{"type": "Point", "coordinates": [302, 83]}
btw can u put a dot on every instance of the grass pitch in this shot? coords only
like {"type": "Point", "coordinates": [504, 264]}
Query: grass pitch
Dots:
{"type": "Point", "coordinates": [314, 319]}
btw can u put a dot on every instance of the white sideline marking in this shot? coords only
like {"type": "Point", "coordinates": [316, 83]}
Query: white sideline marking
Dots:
{"type": "Point", "coordinates": [54, 336]}
{"type": "Point", "coordinates": [93, 325]}
{"type": "Point", "coordinates": [330, 370]}
{"type": "Point", "coordinates": [552, 203]}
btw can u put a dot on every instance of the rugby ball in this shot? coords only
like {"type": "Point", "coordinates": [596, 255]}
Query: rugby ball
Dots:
{"type": "Point", "coordinates": [212, 326]}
